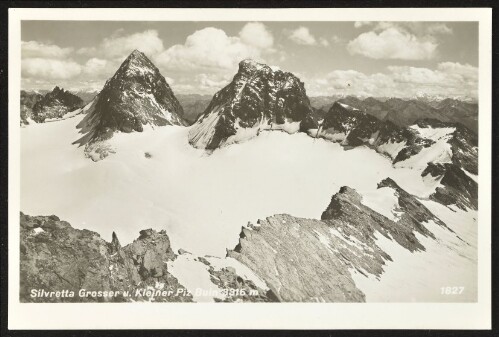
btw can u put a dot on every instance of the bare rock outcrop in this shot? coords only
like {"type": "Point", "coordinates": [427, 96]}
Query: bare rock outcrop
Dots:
{"type": "Point", "coordinates": [310, 260]}
{"type": "Point", "coordinates": [58, 261]}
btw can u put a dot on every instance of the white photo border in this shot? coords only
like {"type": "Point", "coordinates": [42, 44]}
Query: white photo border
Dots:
{"type": "Point", "coordinates": [89, 316]}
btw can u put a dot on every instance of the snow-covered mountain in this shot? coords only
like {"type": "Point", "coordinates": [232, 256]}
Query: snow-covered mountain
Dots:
{"type": "Point", "coordinates": [403, 208]}
{"type": "Point", "coordinates": [258, 98]}
{"type": "Point", "coordinates": [136, 95]}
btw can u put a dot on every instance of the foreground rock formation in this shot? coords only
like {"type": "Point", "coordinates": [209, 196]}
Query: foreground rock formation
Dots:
{"type": "Point", "coordinates": [56, 257]}
{"type": "Point", "coordinates": [308, 260]}
{"type": "Point", "coordinates": [63, 264]}
{"type": "Point", "coordinates": [280, 259]}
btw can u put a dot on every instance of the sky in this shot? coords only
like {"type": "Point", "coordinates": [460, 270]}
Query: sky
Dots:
{"type": "Point", "coordinates": [380, 59]}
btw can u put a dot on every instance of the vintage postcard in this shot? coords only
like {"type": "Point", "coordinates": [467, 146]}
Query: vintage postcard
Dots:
{"type": "Point", "coordinates": [242, 168]}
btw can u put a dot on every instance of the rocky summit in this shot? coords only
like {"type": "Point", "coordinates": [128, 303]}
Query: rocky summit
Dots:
{"type": "Point", "coordinates": [258, 98]}
{"type": "Point", "coordinates": [54, 105]}
{"type": "Point", "coordinates": [135, 96]}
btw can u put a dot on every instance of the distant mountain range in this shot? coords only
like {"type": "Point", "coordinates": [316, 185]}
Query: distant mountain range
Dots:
{"type": "Point", "coordinates": [194, 105]}
{"type": "Point", "coordinates": [404, 112]}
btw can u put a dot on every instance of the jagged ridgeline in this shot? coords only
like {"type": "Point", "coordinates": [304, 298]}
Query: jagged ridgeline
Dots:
{"type": "Point", "coordinates": [135, 96]}
{"type": "Point", "coordinates": [53, 105]}
{"type": "Point", "coordinates": [258, 98]}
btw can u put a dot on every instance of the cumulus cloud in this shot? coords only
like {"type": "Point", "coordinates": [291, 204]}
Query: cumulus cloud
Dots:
{"type": "Point", "coordinates": [416, 28]}
{"type": "Point", "coordinates": [96, 67]}
{"type": "Point", "coordinates": [392, 44]}
{"type": "Point", "coordinates": [324, 42]}
{"type": "Point", "coordinates": [398, 40]}
{"type": "Point", "coordinates": [448, 79]}
{"type": "Point", "coordinates": [46, 61]}
{"type": "Point", "coordinates": [34, 49]}
{"type": "Point", "coordinates": [204, 83]}
{"type": "Point", "coordinates": [211, 49]}
{"type": "Point", "coordinates": [119, 45]}
{"type": "Point", "coordinates": [51, 69]}
{"type": "Point", "coordinates": [302, 35]}
{"type": "Point", "coordinates": [257, 35]}
{"type": "Point", "coordinates": [359, 24]}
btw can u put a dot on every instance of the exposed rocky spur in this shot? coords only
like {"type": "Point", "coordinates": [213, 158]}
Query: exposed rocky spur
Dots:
{"type": "Point", "coordinates": [310, 260]}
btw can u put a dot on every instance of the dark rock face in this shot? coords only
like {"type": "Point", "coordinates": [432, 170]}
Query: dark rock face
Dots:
{"type": "Point", "coordinates": [353, 127]}
{"type": "Point", "coordinates": [28, 101]}
{"type": "Point", "coordinates": [55, 104]}
{"type": "Point", "coordinates": [313, 260]}
{"type": "Point", "coordinates": [465, 113]}
{"type": "Point", "coordinates": [56, 257]}
{"type": "Point", "coordinates": [346, 208]}
{"type": "Point", "coordinates": [136, 95]}
{"type": "Point", "coordinates": [257, 97]}
{"type": "Point", "coordinates": [458, 188]}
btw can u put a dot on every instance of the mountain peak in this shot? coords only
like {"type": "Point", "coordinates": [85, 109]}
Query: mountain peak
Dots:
{"type": "Point", "coordinates": [135, 96]}
{"type": "Point", "coordinates": [258, 98]}
{"type": "Point", "coordinates": [55, 104]}
{"type": "Point", "coordinates": [137, 64]}
{"type": "Point", "coordinates": [136, 53]}
{"type": "Point", "coordinates": [251, 64]}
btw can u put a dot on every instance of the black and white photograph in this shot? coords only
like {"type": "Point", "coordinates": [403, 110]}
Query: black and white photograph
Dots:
{"type": "Point", "coordinates": [287, 160]}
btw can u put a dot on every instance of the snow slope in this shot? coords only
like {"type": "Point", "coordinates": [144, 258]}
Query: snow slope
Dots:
{"type": "Point", "coordinates": [201, 200]}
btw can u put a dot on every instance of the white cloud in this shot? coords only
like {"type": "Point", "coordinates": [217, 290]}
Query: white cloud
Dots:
{"type": "Point", "coordinates": [417, 28]}
{"type": "Point", "coordinates": [257, 35]}
{"type": "Point", "coordinates": [211, 49]}
{"type": "Point", "coordinates": [466, 71]}
{"type": "Point", "coordinates": [438, 28]}
{"type": "Point", "coordinates": [34, 49]}
{"type": "Point", "coordinates": [324, 42]}
{"type": "Point", "coordinates": [203, 83]}
{"type": "Point", "coordinates": [448, 79]}
{"type": "Point", "coordinates": [392, 43]}
{"type": "Point", "coordinates": [95, 67]}
{"type": "Point", "coordinates": [50, 68]}
{"type": "Point", "coordinates": [302, 35]}
{"type": "Point", "coordinates": [119, 46]}
{"type": "Point", "coordinates": [398, 40]}
{"type": "Point", "coordinates": [359, 24]}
